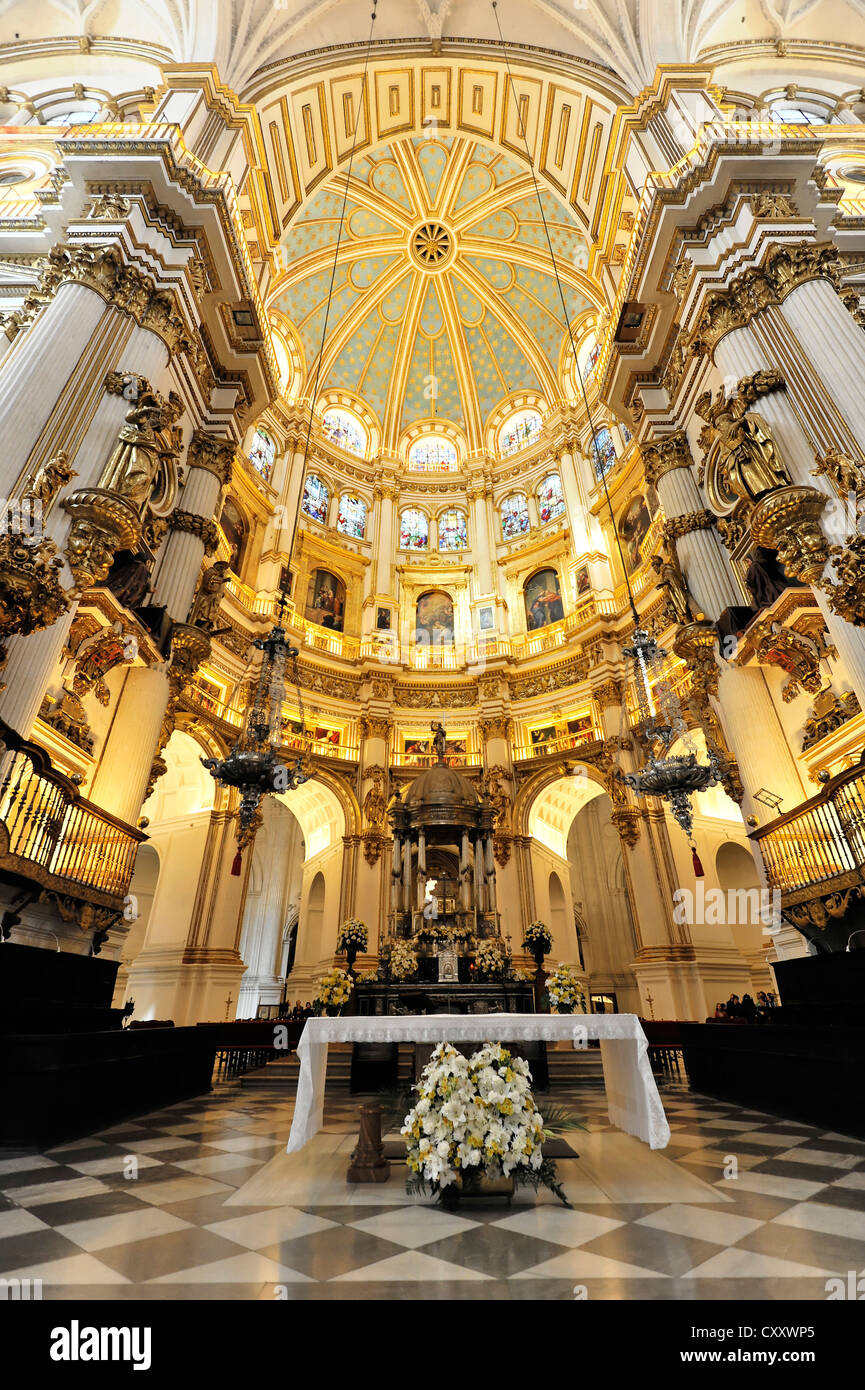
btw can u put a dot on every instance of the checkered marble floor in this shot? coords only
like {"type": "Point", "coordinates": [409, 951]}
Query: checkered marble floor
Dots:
{"type": "Point", "coordinates": [139, 1211]}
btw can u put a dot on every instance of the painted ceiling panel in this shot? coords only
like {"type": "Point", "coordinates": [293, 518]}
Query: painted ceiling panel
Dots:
{"type": "Point", "coordinates": [390, 344]}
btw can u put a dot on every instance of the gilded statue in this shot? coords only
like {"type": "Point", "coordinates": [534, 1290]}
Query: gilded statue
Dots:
{"type": "Point", "coordinates": [47, 480]}
{"type": "Point", "coordinates": [748, 456]}
{"type": "Point", "coordinates": [439, 741]}
{"type": "Point", "coordinates": [844, 474]}
{"type": "Point", "coordinates": [205, 605]}
{"type": "Point", "coordinates": [680, 607]}
{"type": "Point", "coordinates": [374, 803]}
{"type": "Point", "coordinates": [133, 467]}
{"type": "Point", "coordinates": [499, 798]}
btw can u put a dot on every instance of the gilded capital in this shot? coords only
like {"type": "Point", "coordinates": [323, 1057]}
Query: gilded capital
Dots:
{"type": "Point", "coordinates": [212, 452]}
{"type": "Point", "coordinates": [664, 453]}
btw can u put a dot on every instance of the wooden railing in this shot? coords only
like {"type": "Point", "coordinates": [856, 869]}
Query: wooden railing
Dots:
{"type": "Point", "coordinates": [820, 845]}
{"type": "Point", "coordinates": [49, 833]}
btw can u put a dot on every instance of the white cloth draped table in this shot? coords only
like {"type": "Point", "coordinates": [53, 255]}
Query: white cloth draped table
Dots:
{"type": "Point", "coordinates": [633, 1103]}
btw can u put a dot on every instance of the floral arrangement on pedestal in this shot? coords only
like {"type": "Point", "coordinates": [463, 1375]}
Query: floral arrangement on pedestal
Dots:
{"type": "Point", "coordinates": [352, 939]}
{"type": "Point", "coordinates": [403, 961]}
{"type": "Point", "coordinates": [566, 996]}
{"type": "Point", "coordinates": [460, 931]}
{"type": "Point", "coordinates": [538, 940]}
{"type": "Point", "coordinates": [334, 992]}
{"type": "Point", "coordinates": [476, 1118]}
{"type": "Point", "coordinates": [490, 957]}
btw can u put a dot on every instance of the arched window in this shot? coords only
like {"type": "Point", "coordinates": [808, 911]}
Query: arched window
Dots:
{"type": "Point", "coordinates": [515, 516]}
{"type": "Point", "coordinates": [791, 113]}
{"type": "Point", "coordinates": [345, 431]}
{"type": "Point", "coordinates": [453, 530]}
{"type": "Point", "coordinates": [433, 454]}
{"type": "Point", "coordinates": [603, 452]}
{"type": "Point", "coordinates": [587, 357]}
{"type": "Point", "coordinates": [262, 453]}
{"type": "Point", "coordinates": [73, 115]}
{"type": "Point", "coordinates": [434, 619]}
{"type": "Point", "coordinates": [315, 499]}
{"type": "Point", "coordinates": [543, 599]}
{"type": "Point", "coordinates": [351, 520]}
{"type": "Point", "coordinates": [413, 530]}
{"type": "Point", "coordinates": [233, 527]}
{"type": "Point", "coordinates": [518, 432]}
{"type": "Point", "coordinates": [551, 502]}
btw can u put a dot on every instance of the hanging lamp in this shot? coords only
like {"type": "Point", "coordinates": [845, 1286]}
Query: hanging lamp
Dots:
{"type": "Point", "coordinates": [253, 767]}
{"type": "Point", "coordinates": [674, 777]}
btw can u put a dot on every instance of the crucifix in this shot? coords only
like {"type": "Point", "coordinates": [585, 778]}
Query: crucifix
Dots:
{"type": "Point", "coordinates": [227, 1006]}
{"type": "Point", "coordinates": [650, 1001]}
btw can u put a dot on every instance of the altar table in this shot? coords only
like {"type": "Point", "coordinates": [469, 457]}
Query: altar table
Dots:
{"type": "Point", "coordinates": [633, 1103]}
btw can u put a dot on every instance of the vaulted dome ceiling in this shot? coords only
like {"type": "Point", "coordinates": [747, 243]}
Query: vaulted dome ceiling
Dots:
{"type": "Point", "coordinates": [444, 299]}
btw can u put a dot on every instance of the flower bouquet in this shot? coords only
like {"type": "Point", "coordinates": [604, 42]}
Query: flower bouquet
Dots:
{"type": "Point", "coordinates": [490, 957]}
{"type": "Point", "coordinates": [565, 993]}
{"type": "Point", "coordinates": [475, 1118]}
{"type": "Point", "coordinates": [433, 931]}
{"type": "Point", "coordinates": [537, 940]}
{"type": "Point", "coordinates": [460, 931]}
{"type": "Point", "coordinates": [334, 992]}
{"type": "Point", "coordinates": [352, 939]}
{"type": "Point", "coordinates": [403, 961]}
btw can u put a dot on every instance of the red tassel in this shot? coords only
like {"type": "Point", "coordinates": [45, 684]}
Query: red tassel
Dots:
{"type": "Point", "coordinates": [699, 871]}
{"type": "Point", "coordinates": [235, 866]}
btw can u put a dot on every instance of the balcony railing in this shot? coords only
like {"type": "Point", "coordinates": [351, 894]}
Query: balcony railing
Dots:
{"type": "Point", "coordinates": [52, 835]}
{"type": "Point", "coordinates": [429, 759]}
{"type": "Point", "coordinates": [820, 844]}
{"type": "Point", "coordinates": [565, 744]}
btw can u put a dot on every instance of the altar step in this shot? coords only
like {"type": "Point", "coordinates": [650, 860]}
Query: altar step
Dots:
{"type": "Point", "coordinates": [571, 1068]}
{"type": "Point", "coordinates": [281, 1076]}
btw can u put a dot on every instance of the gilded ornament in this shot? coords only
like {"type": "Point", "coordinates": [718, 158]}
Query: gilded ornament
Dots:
{"type": "Point", "coordinates": [204, 613]}
{"type": "Point", "coordinates": [212, 452]}
{"type": "Point", "coordinates": [31, 597]}
{"type": "Point", "coordinates": [664, 453]}
{"type": "Point", "coordinates": [773, 207]}
{"type": "Point", "coordinates": [684, 525]}
{"type": "Point", "coordinates": [828, 713]}
{"type": "Point", "coordinates": [47, 480]}
{"type": "Point", "coordinates": [788, 521]}
{"type": "Point", "coordinates": [748, 460]}
{"type": "Point", "coordinates": [141, 452]}
{"type": "Point", "coordinates": [679, 603]}
{"type": "Point", "coordinates": [847, 593]}
{"type": "Point", "coordinates": [102, 524]}
{"type": "Point", "coordinates": [795, 653]}
{"type": "Point", "coordinates": [842, 472]}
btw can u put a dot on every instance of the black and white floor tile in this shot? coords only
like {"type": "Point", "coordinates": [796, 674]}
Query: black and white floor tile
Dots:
{"type": "Point", "coordinates": [142, 1211]}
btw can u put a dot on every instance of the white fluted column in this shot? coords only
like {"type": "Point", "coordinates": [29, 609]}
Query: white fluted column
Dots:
{"type": "Point", "coordinates": [757, 739]}
{"type": "Point", "coordinates": [124, 767]}
{"type": "Point", "coordinates": [33, 660]}
{"type": "Point", "coordinates": [701, 556]}
{"type": "Point", "coordinates": [179, 563]}
{"type": "Point", "coordinates": [739, 354]}
{"type": "Point", "coordinates": [38, 366]}
{"type": "Point", "coordinates": [835, 344]}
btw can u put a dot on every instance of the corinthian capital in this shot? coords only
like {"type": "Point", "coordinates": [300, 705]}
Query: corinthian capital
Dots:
{"type": "Point", "coordinates": [213, 453]}
{"type": "Point", "coordinates": [665, 453]}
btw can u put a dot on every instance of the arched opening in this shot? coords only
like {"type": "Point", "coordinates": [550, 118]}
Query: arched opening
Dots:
{"type": "Point", "coordinates": [577, 853]}
{"type": "Point", "coordinates": [314, 926]}
{"type": "Point", "coordinates": [272, 897]}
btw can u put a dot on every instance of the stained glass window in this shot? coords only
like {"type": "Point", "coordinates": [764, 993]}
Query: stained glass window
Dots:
{"type": "Point", "coordinates": [343, 430]}
{"type": "Point", "coordinates": [588, 358]}
{"type": "Point", "coordinates": [515, 516]}
{"type": "Point", "coordinates": [262, 453]}
{"type": "Point", "coordinates": [351, 520]}
{"type": "Point", "coordinates": [413, 530]}
{"type": "Point", "coordinates": [626, 434]}
{"type": "Point", "coordinates": [433, 454]}
{"type": "Point", "coordinates": [519, 432]}
{"type": "Point", "coordinates": [551, 502]}
{"type": "Point", "coordinates": [315, 499]}
{"type": "Point", "coordinates": [453, 531]}
{"type": "Point", "coordinates": [603, 453]}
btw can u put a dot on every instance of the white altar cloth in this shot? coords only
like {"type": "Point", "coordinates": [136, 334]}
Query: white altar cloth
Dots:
{"type": "Point", "coordinates": [633, 1103]}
